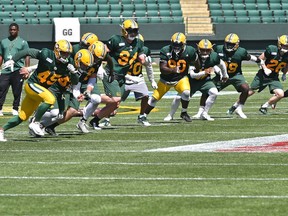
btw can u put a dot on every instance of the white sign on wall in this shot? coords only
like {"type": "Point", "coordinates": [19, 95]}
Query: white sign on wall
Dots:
{"type": "Point", "coordinates": [67, 28]}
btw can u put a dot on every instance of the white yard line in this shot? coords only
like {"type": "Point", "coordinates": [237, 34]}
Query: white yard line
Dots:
{"type": "Point", "coordinates": [138, 163]}
{"type": "Point", "coordinates": [84, 178]}
{"type": "Point", "coordinates": [153, 195]}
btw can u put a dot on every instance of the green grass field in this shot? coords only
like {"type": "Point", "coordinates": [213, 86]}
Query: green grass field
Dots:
{"type": "Point", "coordinates": [117, 171]}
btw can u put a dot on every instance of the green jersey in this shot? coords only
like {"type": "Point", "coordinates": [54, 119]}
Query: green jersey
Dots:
{"type": "Point", "coordinates": [233, 60]}
{"type": "Point", "coordinates": [211, 61]}
{"type": "Point", "coordinates": [76, 48]}
{"type": "Point", "coordinates": [274, 61]}
{"type": "Point", "coordinates": [123, 54]}
{"type": "Point", "coordinates": [49, 70]}
{"type": "Point", "coordinates": [136, 68]}
{"type": "Point", "coordinates": [9, 48]}
{"type": "Point", "coordinates": [185, 59]}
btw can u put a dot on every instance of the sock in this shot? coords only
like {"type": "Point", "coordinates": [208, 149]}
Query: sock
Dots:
{"type": "Point", "coordinates": [41, 110]}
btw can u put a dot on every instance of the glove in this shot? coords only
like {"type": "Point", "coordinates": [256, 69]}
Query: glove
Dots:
{"type": "Point", "coordinates": [154, 84]}
{"type": "Point", "coordinates": [267, 71]}
{"type": "Point", "coordinates": [60, 116]}
{"type": "Point", "coordinates": [101, 73]}
{"type": "Point", "coordinates": [10, 63]}
{"type": "Point", "coordinates": [87, 94]}
{"type": "Point", "coordinates": [283, 77]}
{"type": "Point", "coordinates": [71, 68]}
{"type": "Point", "coordinates": [110, 78]}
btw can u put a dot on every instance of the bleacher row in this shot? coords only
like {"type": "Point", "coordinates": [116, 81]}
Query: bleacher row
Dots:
{"type": "Point", "coordinates": [248, 11]}
{"type": "Point", "coordinates": [90, 11]}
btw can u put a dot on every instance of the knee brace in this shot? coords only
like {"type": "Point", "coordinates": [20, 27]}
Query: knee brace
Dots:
{"type": "Point", "coordinates": [152, 101]}
{"type": "Point", "coordinates": [185, 95]}
{"type": "Point", "coordinates": [95, 99]}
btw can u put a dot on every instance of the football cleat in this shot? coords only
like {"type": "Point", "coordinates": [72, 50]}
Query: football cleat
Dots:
{"type": "Point", "coordinates": [240, 113]}
{"type": "Point", "coordinates": [197, 116]}
{"type": "Point", "coordinates": [185, 116]}
{"type": "Point", "coordinates": [36, 128]}
{"type": "Point", "coordinates": [142, 119]}
{"type": "Point", "coordinates": [15, 112]}
{"type": "Point", "coordinates": [263, 110]}
{"type": "Point", "coordinates": [206, 116]}
{"type": "Point", "coordinates": [94, 124]}
{"type": "Point", "coordinates": [168, 118]}
{"type": "Point", "coordinates": [105, 123]}
{"type": "Point", "coordinates": [231, 110]}
{"type": "Point", "coordinates": [2, 138]}
{"type": "Point", "coordinates": [82, 126]}
{"type": "Point", "coordinates": [51, 131]}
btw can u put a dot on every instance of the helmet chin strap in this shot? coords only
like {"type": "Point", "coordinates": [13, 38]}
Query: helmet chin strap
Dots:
{"type": "Point", "coordinates": [130, 38]}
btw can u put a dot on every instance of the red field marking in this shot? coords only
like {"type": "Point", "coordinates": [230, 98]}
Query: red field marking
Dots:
{"type": "Point", "coordinates": [274, 147]}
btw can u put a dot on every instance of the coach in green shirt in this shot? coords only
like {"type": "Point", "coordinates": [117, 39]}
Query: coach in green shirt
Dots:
{"type": "Point", "coordinates": [10, 76]}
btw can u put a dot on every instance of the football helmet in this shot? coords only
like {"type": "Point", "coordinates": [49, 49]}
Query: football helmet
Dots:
{"type": "Point", "coordinates": [99, 51]}
{"type": "Point", "coordinates": [62, 50]}
{"type": "Point", "coordinates": [130, 29]}
{"type": "Point", "coordinates": [87, 39]}
{"type": "Point", "coordinates": [283, 44]}
{"type": "Point", "coordinates": [205, 47]}
{"type": "Point", "coordinates": [231, 42]}
{"type": "Point", "coordinates": [178, 42]}
{"type": "Point", "coordinates": [140, 37]}
{"type": "Point", "coordinates": [83, 60]}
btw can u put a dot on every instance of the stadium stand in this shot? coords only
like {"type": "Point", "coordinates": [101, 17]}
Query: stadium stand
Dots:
{"type": "Point", "coordinates": [117, 10]}
{"type": "Point", "coordinates": [248, 11]}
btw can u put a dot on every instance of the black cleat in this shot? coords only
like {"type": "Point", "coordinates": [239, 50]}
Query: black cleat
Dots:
{"type": "Point", "coordinates": [94, 123]}
{"type": "Point", "coordinates": [263, 110]}
{"type": "Point", "coordinates": [186, 117]}
{"type": "Point", "coordinates": [51, 131]}
{"type": "Point", "coordinates": [231, 110]}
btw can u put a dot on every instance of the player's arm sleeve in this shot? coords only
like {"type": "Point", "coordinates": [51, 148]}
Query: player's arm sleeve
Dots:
{"type": "Point", "coordinates": [223, 68]}
{"type": "Point", "coordinates": [34, 53]}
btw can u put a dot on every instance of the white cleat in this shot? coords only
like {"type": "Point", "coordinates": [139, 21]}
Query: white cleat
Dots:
{"type": "Point", "coordinates": [197, 116]}
{"type": "Point", "coordinates": [240, 113]}
{"type": "Point", "coordinates": [2, 138]}
{"type": "Point", "coordinates": [207, 117]}
{"type": "Point", "coordinates": [15, 112]}
{"type": "Point", "coordinates": [143, 120]}
{"type": "Point", "coordinates": [1, 113]}
{"type": "Point", "coordinates": [82, 126]}
{"type": "Point", "coordinates": [168, 118]}
{"type": "Point", "coordinates": [36, 128]}
{"type": "Point", "coordinates": [105, 123]}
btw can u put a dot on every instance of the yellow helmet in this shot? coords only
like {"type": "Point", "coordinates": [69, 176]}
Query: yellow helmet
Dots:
{"type": "Point", "coordinates": [283, 43]}
{"type": "Point", "coordinates": [178, 42]}
{"type": "Point", "coordinates": [99, 50]}
{"type": "Point", "coordinates": [205, 47]}
{"type": "Point", "coordinates": [87, 39]}
{"type": "Point", "coordinates": [83, 60]}
{"type": "Point", "coordinates": [130, 29]}
{"type": "Point", "coordinates": [231, 42]}
{"type": "Point", "coordinates": [140, 36]}
{"type": "Point", "coordinates": [62, 50]}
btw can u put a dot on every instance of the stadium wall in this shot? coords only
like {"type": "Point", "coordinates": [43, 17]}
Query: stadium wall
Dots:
{"type": "Point", "coordinates": [252, 36]}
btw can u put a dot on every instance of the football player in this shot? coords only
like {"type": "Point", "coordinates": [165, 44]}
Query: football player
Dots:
{"type": "Point", "coordinates": [200, 79]}
{"type": "Point", "coordinates": [124, 50]}
{"type": "Point", "coordinates": [233, 55]}
{"type": "Point", "coordinates": [52, 65]}
{"type": "Point", "coordinates": [273, 60]}
{"type": "Point", "coordinates": [134, 81]}
{"type": "Point", "coordinates": [86, 40]}
{"type": "Point", "coordinates": [176, 60]}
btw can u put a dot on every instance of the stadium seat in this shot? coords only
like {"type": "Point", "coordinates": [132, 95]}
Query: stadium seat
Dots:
{"type": "Point", "coordinates": [140, 13]}
{"type": "Point", "coordinates": [241, 13]}
{"type": "Point", "coordinates": [255, 19]}
{"type": "Point", "coordinates": [213, 6]}
{"type": "Point", "coordinates": [7, 20]}
{"type": "Point", "coordinates": [177, 13]}
{"type": "Point", "coordinates": [30, 14]}
{"type": "Point", "coordinates": [8, 8]}
{"type": "Point", "coordinates": [67, 7]}
{"type": "Point", "coordinates": [242, 19]}
{"type": "Point", "coordinates": [5, 14]}
{"type": "Point", "coordinates": [262, 6]}
{"type": "Point", "coordinates": [152, 13]}
{"type": "Point", "coordinates": [45, 21]}
{"type": "Point", "coordinates": [284, 6]}
{"type": "Point", "coordinates": [239, 7]}
{"type": "Point", "coordinates": [113, 2]}
{"type": "Point", "coordinates": [228, 13]}
{"type": "Point", "coordinates": [275, 6]}
{"type": "Point", "coordinates": [105, 20]}
{"type": "Point", "coordinates": [101, 14]}
{"type": "Point", "coordinates": [90, 13]}
{"type": "Point", "coordinates": [127, 14]}
{"type": "Point", "coordinates": [165, 13]}
{"type": "Point", "coordinates": [54, 7]}
{"type": "Point", "coordinates": [281, 20]}
{"type": "Point", "coordinates": [101, 2]}
{"type": "Point", "coordinates": [266, 13]}
{"type": "Point", "coordinates": [78, 13]}
{"type": "Point", "coordinates": [95, 7]}
{"type": "Point", "coordinates": [174, 6]}
{"type": "Point", "coordinates": [53, 14]}
{"type": "Point", "coordinates": [216, 13]}
{"type": "Point", "coordinates": [81, 8]}
{"type": "Point", "coordinates": [253, 13]}
{"type": "Point", "coordinates": [268, 19]}
{"type": "Point", "coordinates": [41, 14]}
{"type": "Point", "coordinates": [251, 6]}
{"type": "Point", "coordinates": [227, 7]}
{"type": "Point", "coordinates": [66, 13]}
{"type": "Point", "coordinates": [279, 13]}
{"type": "Point", "coordinates": [114, 13]}
{"type": "Point", "coordinates": [128, 7]}
{"type": "Point", "coordinates": [230, 19]}
{"type": "Point", "coordinates": [33, 8]}
{"type": "Point", "coordinates": [21, 8]}
{"type": "Point", "coordinates": [78, 2]}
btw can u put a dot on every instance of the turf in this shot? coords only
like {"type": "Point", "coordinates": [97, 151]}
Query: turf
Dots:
{"type": "Point", "coordinates": [111, 172]}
